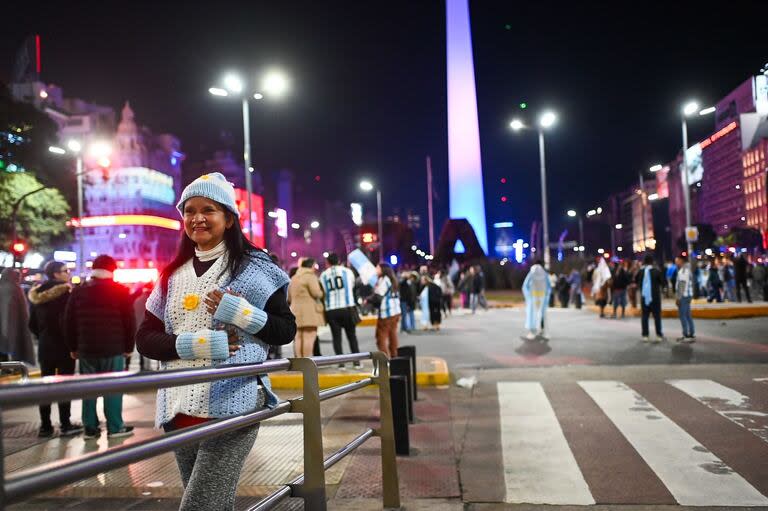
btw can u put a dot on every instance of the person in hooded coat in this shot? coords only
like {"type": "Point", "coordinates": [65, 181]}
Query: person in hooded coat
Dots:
{"type": "Point", "coordinates": [49, 301]}
{"type": "Point", "coordinates": [536, 290]}
{"type": "Point", "coordinates": [15, 339]}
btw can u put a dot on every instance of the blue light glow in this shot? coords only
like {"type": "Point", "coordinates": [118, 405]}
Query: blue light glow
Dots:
{"type": "Point", "coordinates": [519, 251]}
{"type": "Point", "coordinates": [502, 225]}
{"type": "Point", "coordinates": [393, 260]}
{"type": "Point", "coordinates": [458, 248]}
{"type": "Point", "coordinates": [465, 171]}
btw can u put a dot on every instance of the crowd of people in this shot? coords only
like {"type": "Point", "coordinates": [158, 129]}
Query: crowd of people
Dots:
{"type": "Point", "coordinates": [222, 300]}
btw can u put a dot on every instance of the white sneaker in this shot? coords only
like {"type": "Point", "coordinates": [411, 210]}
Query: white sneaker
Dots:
{"type": "Point", "coordinates": [645, 338]}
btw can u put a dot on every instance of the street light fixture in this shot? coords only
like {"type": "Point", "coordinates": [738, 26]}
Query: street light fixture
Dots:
{"type": "Point", "coordinates": [100, 151]}
{"type": "Point", "coordinates": [688, 110]}
{"type": "Point", "coordinates": [234, 85]}
{"type": "Point", "coordinates": [315, 224]}
{"type": "Point", "coordinates": [572, 213]}
{"type": "Point", "coordinates": [546, 120]}
{"type": "Point", "coordinates": [367, 186]}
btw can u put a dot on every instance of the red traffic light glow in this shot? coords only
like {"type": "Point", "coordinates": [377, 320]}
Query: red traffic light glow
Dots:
{"type": "Point", "coordinates": [19, 247]}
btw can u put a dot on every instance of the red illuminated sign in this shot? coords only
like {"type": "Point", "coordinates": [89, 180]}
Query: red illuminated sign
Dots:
{"type": "Point", "coordinates": [368, 237]}
{"type": "Point", "coordinates": [257, 215]}
{"type": "Point", "coordinates": [720, 134]}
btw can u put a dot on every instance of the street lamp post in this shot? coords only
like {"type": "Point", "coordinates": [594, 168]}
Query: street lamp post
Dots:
{"type": "Point", "coordinates": [688, 110]}
{"type": "Point", "coordinates": [547, 120]}
{"type": "Point", "coordinates": [367, 186]}
{"type": "Point", "coordinates": [572, 213]}
{"type": "Point", "coordinates": [274, 83]}
{"type": "Point", "coordinates": [100, 151]}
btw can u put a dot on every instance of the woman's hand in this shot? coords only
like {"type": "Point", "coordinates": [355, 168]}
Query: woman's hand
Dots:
{"type": "Point", "coordinates": [234, 340]}
{"type": "Point", "coordinates": [213, 299]}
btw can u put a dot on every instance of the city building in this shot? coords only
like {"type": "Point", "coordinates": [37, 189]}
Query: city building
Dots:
{"type": "Point", "coordinates": [755, 167]}
{"type": "Point", "coordinates": [130, 203]}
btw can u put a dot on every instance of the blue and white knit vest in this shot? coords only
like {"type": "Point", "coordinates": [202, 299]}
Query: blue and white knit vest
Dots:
{"type": "Point", "coordinates": [257, 281]}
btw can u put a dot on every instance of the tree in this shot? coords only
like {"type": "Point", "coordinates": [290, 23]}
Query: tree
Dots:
{"type": "Point", "coordinates": [25, 135]}
{"type": "Point", "coordinates": [41, 219]}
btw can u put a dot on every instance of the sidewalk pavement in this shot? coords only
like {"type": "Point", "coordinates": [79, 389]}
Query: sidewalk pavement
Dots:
{"type": "Point", "coordinates": [700, 309]}
{"type": "Point", "coordinates": [428, 477]}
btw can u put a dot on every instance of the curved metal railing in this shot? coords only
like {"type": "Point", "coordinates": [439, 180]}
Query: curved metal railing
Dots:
{"type": "Point", "coordinates": [310, 486]}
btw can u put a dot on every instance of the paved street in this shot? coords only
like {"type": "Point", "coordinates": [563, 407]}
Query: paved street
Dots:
{"type": "Point", "coordinates": [594, 417]}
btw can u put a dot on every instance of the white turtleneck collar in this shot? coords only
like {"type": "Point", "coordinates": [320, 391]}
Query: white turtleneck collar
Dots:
{"type": "Point", "coordinates": [210, 255]}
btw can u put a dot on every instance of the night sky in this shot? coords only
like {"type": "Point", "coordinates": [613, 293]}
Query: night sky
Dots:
{"type": "Point", "coordinates": [368, 85]}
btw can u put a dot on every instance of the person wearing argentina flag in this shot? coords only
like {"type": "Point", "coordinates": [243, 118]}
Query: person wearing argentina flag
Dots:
{"type": "Point", "coordinates": [220, 301]}
{"type": "Point", "coordinates": [386, 293]}
{"type": "Point", "coordinates": [340, 310]}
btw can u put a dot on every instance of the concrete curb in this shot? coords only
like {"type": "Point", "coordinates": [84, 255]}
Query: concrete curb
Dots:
{"type": "Point", "coordinates": [430, 372]}
{"type": "Point", "coordinates": [728, 312]}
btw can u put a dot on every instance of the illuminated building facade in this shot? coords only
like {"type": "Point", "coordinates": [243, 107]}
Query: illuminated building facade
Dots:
{"type": "Point", "coordinates": [130, 206]}
{"type": "Point", "coordinates": [465, 171]}
{"type": "Point", "coordinates": [755, 168]}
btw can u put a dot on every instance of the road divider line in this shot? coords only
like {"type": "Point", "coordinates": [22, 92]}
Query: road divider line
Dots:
{"type": "Point", "coordinates": [693, 475]}
{"type": "Point", "coordinates": [539, 467]}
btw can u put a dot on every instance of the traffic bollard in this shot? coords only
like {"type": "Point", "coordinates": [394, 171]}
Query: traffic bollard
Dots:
{"type": "Point", "coordinates": [402, 366]}
{"type": "Point", "coordinates": [398, 387]}
{"type": "Point", "coordinates": [410, 351]}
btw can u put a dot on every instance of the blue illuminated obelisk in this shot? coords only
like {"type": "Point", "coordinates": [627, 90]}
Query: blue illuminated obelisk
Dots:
{"type": "Point", "coordinates": [465, 170]}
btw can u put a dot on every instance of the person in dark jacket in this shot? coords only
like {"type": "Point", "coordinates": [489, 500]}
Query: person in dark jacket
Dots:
{"type": "Point", "coordinates": [741, 274]}
{"type": "Point", "coordinates": [435, 301]}
{"type": "Point", "coordinates": [619, 289]}
{"type": "Point", "coordinates": [98, 327]}
{"type": "Point", "coordinates": [650, 281]}
{"type": "Point", "coordinates": [49, 301]}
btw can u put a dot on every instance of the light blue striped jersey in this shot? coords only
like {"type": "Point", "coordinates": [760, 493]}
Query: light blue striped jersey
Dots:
{"type": "Point", "coordinates": [390, 299]}
{"type": "Point", "coordinates": [338, 283]}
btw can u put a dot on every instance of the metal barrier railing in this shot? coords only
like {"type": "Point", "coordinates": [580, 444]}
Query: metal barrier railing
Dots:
{"type": "Point", "coordinates": [14, 366]}
{"type": "Point", "coordinates": [310, 486]}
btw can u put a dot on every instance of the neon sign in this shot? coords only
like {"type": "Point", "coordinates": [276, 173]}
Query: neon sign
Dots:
{"type": "Point", "coordinates": [720, 134]}
{"type": "Point", "coordinates": [113, 220]}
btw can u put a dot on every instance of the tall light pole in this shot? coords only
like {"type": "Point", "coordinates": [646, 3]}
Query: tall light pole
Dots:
{"type": "Point", "coordinates": [367, 186]}
{"type": "Point", "coordinates": [101, 152]}
{"type": "Point", "coordinates": [274, 83]}
{"type": "Point", "coordinates": [572, 213]}
{"type": "Point", "coordinates": [688, 110]}
{"type": "Point", "coordinates": [547, 120]}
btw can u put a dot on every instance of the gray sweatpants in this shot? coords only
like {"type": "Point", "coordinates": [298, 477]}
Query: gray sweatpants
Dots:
{"type": "Point", "coordinates": [210, 470]}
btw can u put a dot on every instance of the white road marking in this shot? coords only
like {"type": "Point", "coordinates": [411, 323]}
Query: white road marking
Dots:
{"type": "Point", "coordinates": [694, 476]}
{"type": "Point", "coordinates": [729, 403]}
{"type": "Point", "coordinates": [539, 467]}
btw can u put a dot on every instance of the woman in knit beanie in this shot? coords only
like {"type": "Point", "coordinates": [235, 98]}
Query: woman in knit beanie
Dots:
{"type": "Point", "coordinates": [220, 301]}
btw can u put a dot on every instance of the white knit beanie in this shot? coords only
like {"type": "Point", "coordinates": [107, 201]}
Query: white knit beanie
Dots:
{"type": "Point", "coordinates": [212, 186]}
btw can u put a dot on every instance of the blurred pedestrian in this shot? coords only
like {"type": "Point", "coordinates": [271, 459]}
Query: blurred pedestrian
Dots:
{"type": "Point", "coordinates": [220, 301]}
{"type": "Point", "coordinates": [447, 289]}
{"type": "Point", "coordinates": [432, 298]}
{"type": "Point", "coordinates": [683, 296]}
{"type": "Point", "coordinates": [741, 272]}
{"type": "Point", "coordinates": [340, 310]}
{"type": "Point", "coordinates": [729, 282]}
{"type": "Point", "coordinates": [714, 283]}
{"type": "Point", "coordinates": [759, 282]}
{"type": "Point", "coordinates": [620, 282]}
{"type": "Point", "coordinates": [536, 290]}
{"type": "Point", "coordinates": [601, 278]}
{"type": "Point", "coordinates": [387, 298]}
{"type": "Point", "coordinates": [305, 297]}
{"type": "Point", "coordinates": [49, 302]}
{"type": "Point", "coordinates": [634, 269]}
{"type": "Point", "coordinates": [99, 331]}
{"type": "Point", "coordinates": [15, 340]}
{"type": "Point", "coordinates": [480, 287]}
{"type": "Point", "coordinates": [407, 302]}
{"type": "Point", "coordinates": [651, 283]}
{"type": "Point", "coordinates": [574, 281]}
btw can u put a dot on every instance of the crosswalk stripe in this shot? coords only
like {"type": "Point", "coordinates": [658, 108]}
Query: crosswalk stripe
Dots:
{"type": "Point", "coordinates": [539, 467]}
{"type": "Point", "coordinates": [729, 403]}
{"type": "Point", "coordinates": [694, 477]}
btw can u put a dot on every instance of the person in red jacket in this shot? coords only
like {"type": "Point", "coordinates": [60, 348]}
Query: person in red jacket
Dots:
{"type": "Point", "coordinates": [98, 328]}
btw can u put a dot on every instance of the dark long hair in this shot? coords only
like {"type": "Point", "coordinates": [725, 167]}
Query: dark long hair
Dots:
{"type": "Point", "coordinates": [238, 246]}
{"type": "Point", "coordinates": [388, 272]}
